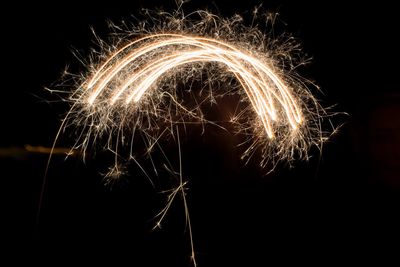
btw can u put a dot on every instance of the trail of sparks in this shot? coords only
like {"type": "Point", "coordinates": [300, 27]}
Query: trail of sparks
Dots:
{"type": "Point", "coordinates": [136, 86]}
{"type": "Point", "coordinates": [267, 92]}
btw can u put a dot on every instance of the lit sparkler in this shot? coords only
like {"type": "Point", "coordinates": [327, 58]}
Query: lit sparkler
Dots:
{"type": "Point", "coordinates": [135, 86]}
{"type": "Point", "coordinates": [267, 92]}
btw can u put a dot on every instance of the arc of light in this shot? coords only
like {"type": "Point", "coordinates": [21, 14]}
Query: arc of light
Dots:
{"type": "Point", "coordinates": [196, 41]}
{"type": "Point", "coordinates": [259, 81]}
{"type": "Point", "coordinates": [157, 70]}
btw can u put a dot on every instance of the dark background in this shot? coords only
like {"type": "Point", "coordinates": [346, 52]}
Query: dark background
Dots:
{"type": "Point", "coordinates": [340, 207]}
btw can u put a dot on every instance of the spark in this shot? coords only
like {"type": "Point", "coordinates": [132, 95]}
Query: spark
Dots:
{"type": "Point", "coordinates": [132, 88]}
{"type": "Point", "coordinates": [135, 84]}
{"type": "Point", "coordinates": [267, 92]}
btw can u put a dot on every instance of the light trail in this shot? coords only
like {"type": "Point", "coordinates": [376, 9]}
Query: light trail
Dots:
{"type": "Point", "coordinates": [131, 90]}
{"type": "Point", "coordinates": [153, 57]}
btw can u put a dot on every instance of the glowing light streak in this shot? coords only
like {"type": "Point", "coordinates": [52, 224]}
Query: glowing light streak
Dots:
{"type": "Point", "coordinates": [266, 91]}
{"type": "Point", "coordinates": [136, 87]}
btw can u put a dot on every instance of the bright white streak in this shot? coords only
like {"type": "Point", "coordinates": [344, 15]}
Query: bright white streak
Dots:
{"type": "Point", "coordinates": [165, 52]}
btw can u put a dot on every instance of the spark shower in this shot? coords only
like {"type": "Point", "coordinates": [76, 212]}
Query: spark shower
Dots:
{"type": "Point", "coordinates": [137, 86]}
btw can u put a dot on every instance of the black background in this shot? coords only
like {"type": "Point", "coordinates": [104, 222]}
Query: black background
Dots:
{"type": "Point", "coordinates": [340, 207]}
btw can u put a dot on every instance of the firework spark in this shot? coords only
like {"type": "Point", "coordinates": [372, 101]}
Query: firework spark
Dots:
{"type": "Point", "coordinates": [266, 91]}
{"type": "Point", "coordinates": [134, 85]}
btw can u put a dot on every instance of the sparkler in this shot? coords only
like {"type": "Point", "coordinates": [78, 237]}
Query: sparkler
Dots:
{"type": "Point", "coordinates": [135, 87]}
{"type": "Point", "coordinates": [134, 84]}
{"type": "Point", "coordinates": [169, 51]}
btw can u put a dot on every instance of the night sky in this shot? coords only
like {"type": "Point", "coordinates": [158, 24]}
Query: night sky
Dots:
{"type": "Point", "coordinates": [340, 206]}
